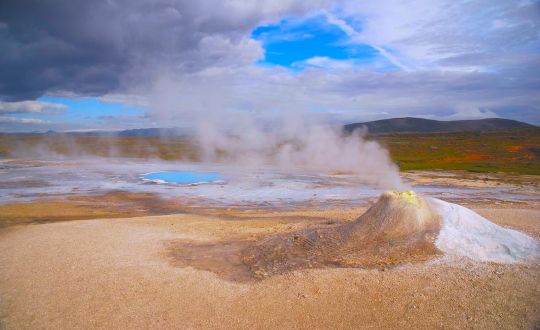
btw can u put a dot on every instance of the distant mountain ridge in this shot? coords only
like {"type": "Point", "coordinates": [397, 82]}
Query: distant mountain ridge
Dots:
{"type": "Point", "coordinates": [139, 132]}
{"type": "Point", "coordinates": [420, 125]}
{"type": "Point", "coordinates": [384, 126]}
{"type": "Point", "coordinates": [151, 132]}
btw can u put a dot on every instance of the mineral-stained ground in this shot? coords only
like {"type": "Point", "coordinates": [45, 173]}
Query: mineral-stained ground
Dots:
{"type": "Point", "coordinates": [130, 273]}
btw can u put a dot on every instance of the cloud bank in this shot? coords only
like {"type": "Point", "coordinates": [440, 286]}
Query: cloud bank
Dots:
{"type": "Point", "coordinates": [436, 59]}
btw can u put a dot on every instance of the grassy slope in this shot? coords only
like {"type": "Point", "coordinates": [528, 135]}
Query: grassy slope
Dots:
{"type": "Point", "coordinates": [501, 151]}
{"type": "Point", "coordinates": [513, 151]}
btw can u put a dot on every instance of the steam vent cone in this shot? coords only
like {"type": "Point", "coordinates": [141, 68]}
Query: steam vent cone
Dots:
{"type": "Point", "coordinates": [401, 227]}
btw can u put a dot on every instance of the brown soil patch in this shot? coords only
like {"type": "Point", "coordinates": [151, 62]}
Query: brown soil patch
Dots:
{"type": "Point", "coordinates": [24, 183]}
{"type": "Point", "coordinates": [115, 204]}
{"type": "Point", "coordinates": [463, 179]}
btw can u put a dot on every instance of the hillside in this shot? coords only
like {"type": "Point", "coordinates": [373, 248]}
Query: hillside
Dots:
{"type": "Point", "coordinates": [420, 125]}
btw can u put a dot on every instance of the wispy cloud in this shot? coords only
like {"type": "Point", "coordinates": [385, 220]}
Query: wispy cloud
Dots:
{"type": "Point", "coordinates": [23, 120]}
{"type": "Point", "coordinates": [31, 107]}
{"type": "Point", "coordinates": [357, 38]}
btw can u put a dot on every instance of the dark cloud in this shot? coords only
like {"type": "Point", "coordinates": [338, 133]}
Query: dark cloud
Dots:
{"type": "Point", "coordinates": [97, 47]}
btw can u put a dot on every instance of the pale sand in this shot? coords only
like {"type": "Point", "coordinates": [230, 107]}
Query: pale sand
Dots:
{"type": "Point", "coordinates": [116, 274]}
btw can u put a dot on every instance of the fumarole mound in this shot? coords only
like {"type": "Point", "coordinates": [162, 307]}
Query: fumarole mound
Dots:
{"type": "Point", "coordinates": [401, 227]}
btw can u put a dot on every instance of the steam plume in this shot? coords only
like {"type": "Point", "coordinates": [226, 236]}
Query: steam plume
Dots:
{"type": "Point", "coordinates": [288, 140]}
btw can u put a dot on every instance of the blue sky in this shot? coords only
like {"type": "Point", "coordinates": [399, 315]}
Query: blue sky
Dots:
{"type": "Point", "coordinates": [294, 40]}
{"type": "Point", "coordinates": [85, 113]}
{"type": "Point", "coordinates": [91, 109]}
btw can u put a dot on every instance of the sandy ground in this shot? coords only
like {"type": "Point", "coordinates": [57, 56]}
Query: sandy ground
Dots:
{"type": "Point", "coordinates": [527, 184]}
{"type": "Point", "coordinates": [119, 274]}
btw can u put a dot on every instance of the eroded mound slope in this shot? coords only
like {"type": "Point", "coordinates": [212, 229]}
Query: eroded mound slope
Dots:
{"type": "Point", "coordinates": [399, 228]}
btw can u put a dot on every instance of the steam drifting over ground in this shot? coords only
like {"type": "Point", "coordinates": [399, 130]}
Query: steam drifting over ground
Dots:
{"type": "Point", "coordinates": [304, 147]}
{"type": "Point", "coordinates": [289, 140]}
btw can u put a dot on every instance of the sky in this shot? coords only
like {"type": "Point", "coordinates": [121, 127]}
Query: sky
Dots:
{"type": "Point", "coordinates": [119, 64]}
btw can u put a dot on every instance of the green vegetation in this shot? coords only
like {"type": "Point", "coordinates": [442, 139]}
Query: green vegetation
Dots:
{"type": "Point", "coordinates": [511, 151]}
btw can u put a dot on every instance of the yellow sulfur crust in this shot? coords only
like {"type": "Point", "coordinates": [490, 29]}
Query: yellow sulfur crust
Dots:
{"type": "Point", "coordinates": [408, 195]}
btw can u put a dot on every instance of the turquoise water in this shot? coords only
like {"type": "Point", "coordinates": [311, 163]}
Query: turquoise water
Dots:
{"type": "Point", "coordinates": [184, 177]}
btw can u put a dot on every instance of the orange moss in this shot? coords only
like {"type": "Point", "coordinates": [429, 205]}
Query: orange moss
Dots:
{"type": "Point", "coordinates": [514, 148]}
{"type": "Point", "coordinates": [466, 158]}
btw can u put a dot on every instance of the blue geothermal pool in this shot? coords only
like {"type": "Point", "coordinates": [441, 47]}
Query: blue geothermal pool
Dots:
{"type": "Point", "coordinates": [184, 177]}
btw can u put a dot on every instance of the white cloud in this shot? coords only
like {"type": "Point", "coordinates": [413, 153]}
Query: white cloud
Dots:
{"type": "Point", "coordinates": [451, 67]}
{"type": "Point", "coordinates": [357, 37]}
{"type": "Point", "coordinates": [31, 107]}
{"type": "Point", "coordinates": [341, 91]}
{"type": "Point", "coordinates": [246, 51]}
{"type": "Point", "coordinates": [23, 120]}
{"type": "Point", "coordinates": [326, 63]}
{"type": "Point", "coordinates": [469, 112]}
{"type": "Point", "coordinates": [425, 32]}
